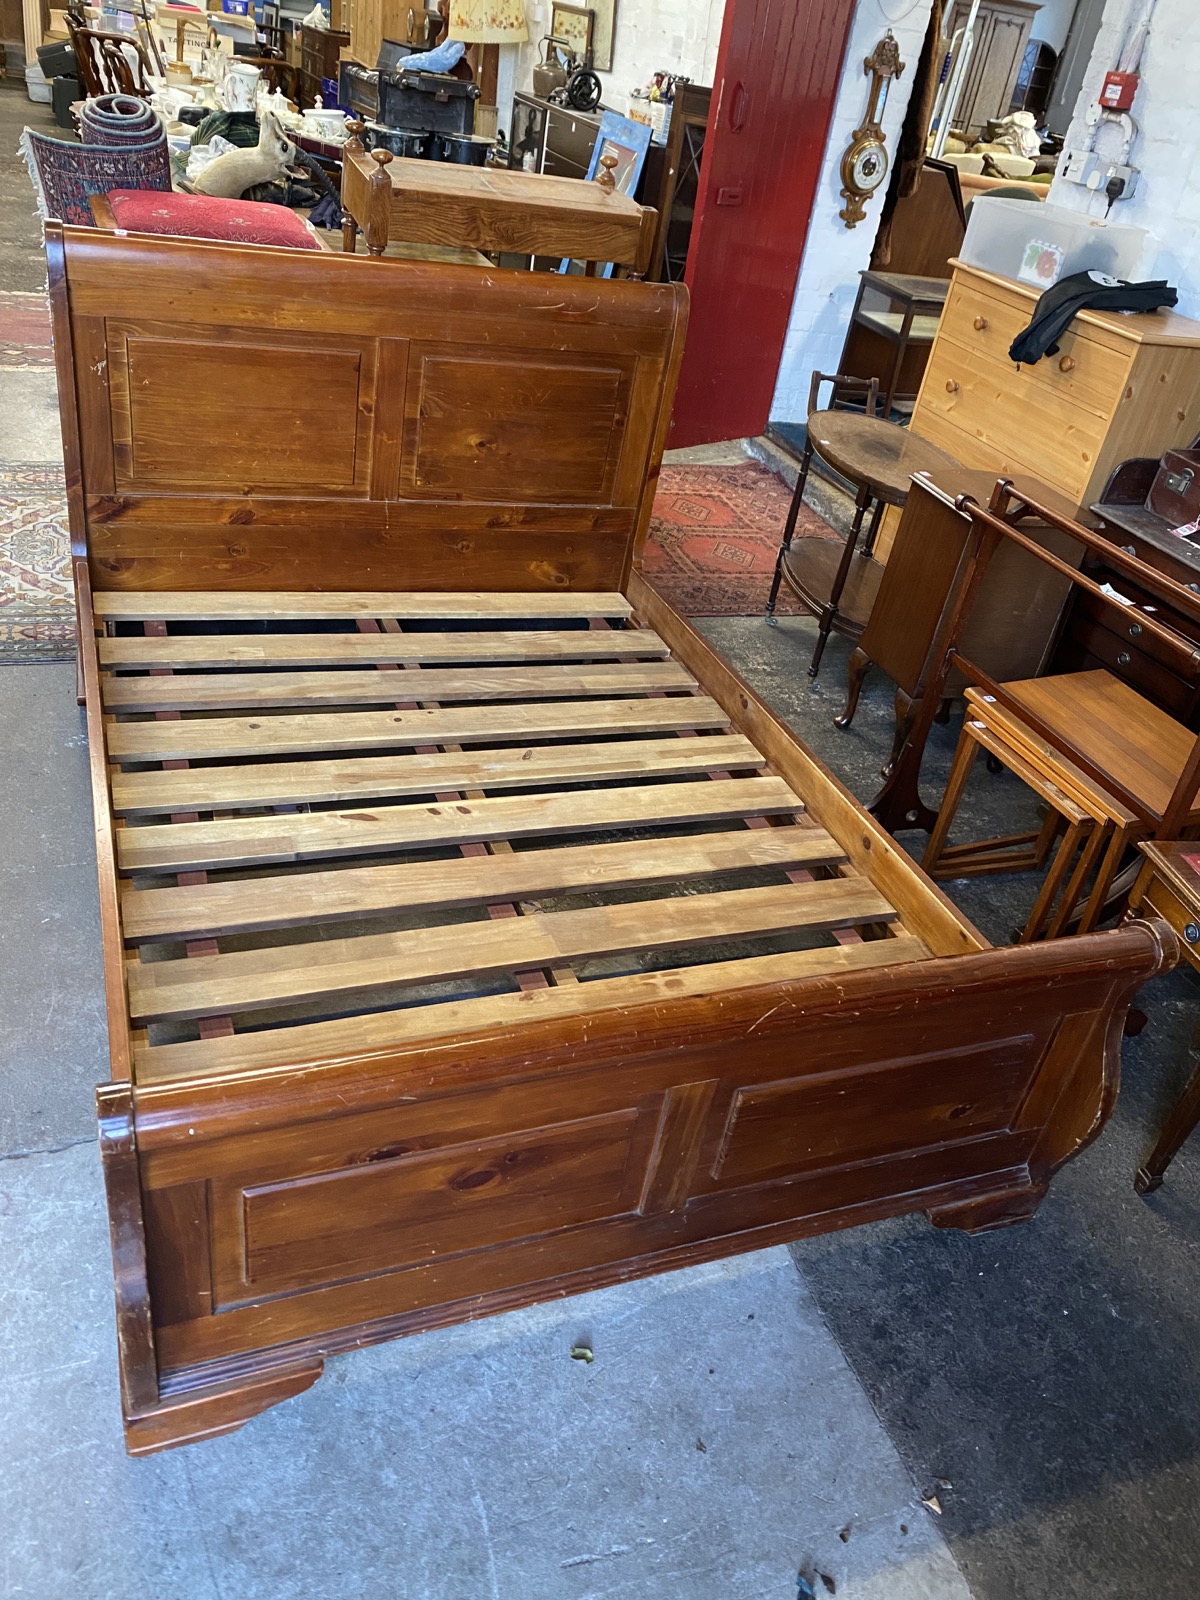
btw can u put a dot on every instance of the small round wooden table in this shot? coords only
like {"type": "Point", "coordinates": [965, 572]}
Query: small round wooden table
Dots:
{"type": "Point", "coordinates": [879, 458]}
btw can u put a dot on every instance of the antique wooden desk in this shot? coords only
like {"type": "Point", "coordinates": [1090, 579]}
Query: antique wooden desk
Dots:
{"type": "Point", "coordinates": [1169, 886]}
{"type": "Point", "coordinates": [472, 933]}
{"type": "Point", "coordinates": [490, 209]}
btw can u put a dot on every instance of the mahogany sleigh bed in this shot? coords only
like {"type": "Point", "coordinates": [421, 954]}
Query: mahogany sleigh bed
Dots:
{"type": "Point", "coordinates": [473, 934]}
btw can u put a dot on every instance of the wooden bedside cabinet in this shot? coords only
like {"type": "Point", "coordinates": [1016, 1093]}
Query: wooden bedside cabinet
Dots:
{"type": "Point", "coordinates": [1119, 386]}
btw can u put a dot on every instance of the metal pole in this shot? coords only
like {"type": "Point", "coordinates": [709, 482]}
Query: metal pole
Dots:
{"type": "Point", "coordinates": [957, 78]}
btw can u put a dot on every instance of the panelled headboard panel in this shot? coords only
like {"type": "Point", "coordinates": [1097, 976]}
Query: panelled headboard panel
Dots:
{"type": "Point", "coordinates": [244, 418]}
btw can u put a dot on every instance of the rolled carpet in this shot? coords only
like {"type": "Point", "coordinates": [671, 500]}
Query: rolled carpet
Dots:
{"type": "Point", "coordinates": [126, 148]}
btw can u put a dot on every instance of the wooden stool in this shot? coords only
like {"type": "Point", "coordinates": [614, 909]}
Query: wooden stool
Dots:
{"type": "Point", "coordinates": [879, 458]}
{"type": "Point", "coordinates": [1096, 828]}
{"type": "Point", "coordinates": [1169, 886]}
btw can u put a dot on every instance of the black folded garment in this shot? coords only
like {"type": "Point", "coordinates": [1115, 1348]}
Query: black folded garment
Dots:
{"type": "Point", "coordinates": [1084, 291]}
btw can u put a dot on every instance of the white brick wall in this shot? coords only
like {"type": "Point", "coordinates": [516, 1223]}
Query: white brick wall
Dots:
{"type": "Point", "coordinates": [678, 36]}
{"type": "Point", "coordinates": [1167, 199]}
{"type": "Point", "coordinates": [834, 254]}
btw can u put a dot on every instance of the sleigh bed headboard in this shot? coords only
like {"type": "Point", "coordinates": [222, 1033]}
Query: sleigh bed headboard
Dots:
{"type": "Point", "coordinates": [243, 418]}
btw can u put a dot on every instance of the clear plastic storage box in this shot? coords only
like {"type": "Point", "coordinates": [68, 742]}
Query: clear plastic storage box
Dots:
{"type": "Point", "coordinates": [1038, 244]}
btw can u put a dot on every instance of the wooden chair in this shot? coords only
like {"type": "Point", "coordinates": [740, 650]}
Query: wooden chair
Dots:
{"type": "Point", "coordinates": [1111, 766]}
{"type": "Point", "coordinates": [110, 63]}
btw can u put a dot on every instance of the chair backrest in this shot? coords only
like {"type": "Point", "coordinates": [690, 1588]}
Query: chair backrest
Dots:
{"type": "Point", "coordinates": [109, 63]}
{"type": "Point", "coordinates": [998, 522]}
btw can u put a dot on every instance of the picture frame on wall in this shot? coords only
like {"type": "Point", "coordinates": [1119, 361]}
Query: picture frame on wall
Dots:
{"type": "Point", "coordinates": [628, 141]}
{"type": "Point", "coordinates": [603, 23]}
{"type": "Point", "coordinates": [573, 25]}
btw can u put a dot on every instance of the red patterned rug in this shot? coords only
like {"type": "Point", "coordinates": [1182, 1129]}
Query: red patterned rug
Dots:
{"type": "Point", "coordinates": [24, 330]}
{"type": "Point", "coordinates": [714, 536]}
{"type": "Point", "coordinates": [37, 611]}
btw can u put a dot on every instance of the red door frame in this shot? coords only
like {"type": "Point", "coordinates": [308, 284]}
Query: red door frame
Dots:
{"type": "Point", "coordinates": [778, 72]}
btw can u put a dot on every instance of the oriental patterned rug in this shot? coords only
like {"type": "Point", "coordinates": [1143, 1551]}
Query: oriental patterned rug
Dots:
{"type": "Point", "coordinates": [37, 610]}
{"type": "Point", "coordinates": [714, 536]}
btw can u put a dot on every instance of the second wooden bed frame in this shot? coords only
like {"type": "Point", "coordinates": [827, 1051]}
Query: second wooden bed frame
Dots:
{"type": "Point", "coordinates": [473, 934]}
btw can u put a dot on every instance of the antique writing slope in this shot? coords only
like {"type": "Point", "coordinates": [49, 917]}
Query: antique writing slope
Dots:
{"type": "Point", "coordinates": [472, 933]}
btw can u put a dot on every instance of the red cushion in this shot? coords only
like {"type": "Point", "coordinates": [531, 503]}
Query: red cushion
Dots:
{"type": "Point", "coordinates": [199, 216]}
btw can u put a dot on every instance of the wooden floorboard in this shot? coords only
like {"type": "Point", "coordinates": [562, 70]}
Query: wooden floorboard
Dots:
{"type": "Point", "coordinates": [331, 971]}
{"type": "Point", "coordinates": [209, 606]}
{"type": "Point", "coordinates": [251, 841]}
{"type": "Point", "coordinates": [346, 780]}
{"type": "Point", "coordinates": [235, 691]}
{"type": "Point", "coordinates": [227, 738]}
{"type": "Point", "coordinates": [312, 898]}
{"type": "Point", "coordinates": [380, 1032]}
{"type": "Point", "coordinates": [362, 649]}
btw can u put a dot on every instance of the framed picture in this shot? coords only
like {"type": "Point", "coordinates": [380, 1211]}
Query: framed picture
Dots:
{"type": "Point", "coordinates": [627, 140]}
{"type": "Point", "coordinates": [602, 34]}
{"type": "Point", "coordinates": [573, 24]}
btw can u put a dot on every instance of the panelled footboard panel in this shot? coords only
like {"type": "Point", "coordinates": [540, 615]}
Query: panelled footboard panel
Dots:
{"type": "Point", "coordinates": [557, 1157]}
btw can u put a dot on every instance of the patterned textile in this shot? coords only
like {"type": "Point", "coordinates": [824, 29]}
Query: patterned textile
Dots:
{"type": "Point", "coordinates": [37, 607]}
{"type": "Point", "coordinates": [196, 216]}
{"type": "Point", "coordinates": [130, 152]}
{"type": "Point", "coordinates": [119, 119]}
{"type": "Point", "coordinates": [714, 537]}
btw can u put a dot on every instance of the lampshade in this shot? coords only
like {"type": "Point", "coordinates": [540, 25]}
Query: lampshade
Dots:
{"type": "Point", "coordinates": [488, 21]}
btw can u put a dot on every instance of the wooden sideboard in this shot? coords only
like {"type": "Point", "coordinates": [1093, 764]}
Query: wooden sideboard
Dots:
{"type": "Point", "coordinates": [1119, 386]}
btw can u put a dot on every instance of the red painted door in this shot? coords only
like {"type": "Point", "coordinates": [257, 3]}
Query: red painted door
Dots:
{"type": "Point", "coordinates": [778, 71]}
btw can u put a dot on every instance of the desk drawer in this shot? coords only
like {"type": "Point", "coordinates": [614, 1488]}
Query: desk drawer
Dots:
{"type": "Point", "coordinates": [1083, 373]}
{"type": "Point", "coordinates": [569, 136]}
{"type": "Point", "coordinates": [1021, 422]}
{"type": "Point", "coordinates": [1089, 643]}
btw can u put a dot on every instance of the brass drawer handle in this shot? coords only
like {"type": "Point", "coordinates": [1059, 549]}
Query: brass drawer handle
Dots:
{"type": "Point", "coordinates": [952, 386]}
{"type": "Point", "coordinates": [1123, 658]}
{"type": "Point", "coordinates": [981, 324]}
{"type": "Point", "coordinates": [1067, 364]}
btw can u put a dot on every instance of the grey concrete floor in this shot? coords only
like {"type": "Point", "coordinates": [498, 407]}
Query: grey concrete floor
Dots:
{"type": "Point", "coordinates": [22, 262]}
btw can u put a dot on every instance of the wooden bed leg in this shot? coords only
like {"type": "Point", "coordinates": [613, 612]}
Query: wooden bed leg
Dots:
{"type": "Point", "coordinates": [990, 1211]}
{"type": "Point", "coordinates": [154, 1421]}
{"type": "Point", "coordinates": [211, 1412]}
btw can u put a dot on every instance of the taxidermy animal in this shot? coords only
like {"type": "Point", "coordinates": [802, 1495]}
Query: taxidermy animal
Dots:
{"type": "Point", "coordinates": [232, 174]}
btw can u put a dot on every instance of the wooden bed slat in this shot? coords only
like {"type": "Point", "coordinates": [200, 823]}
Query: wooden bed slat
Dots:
{"type": "Point", "coordinates": [219, 738]}
{"type": "Point", "coordinates": [357, 778]}
{"type": "Point", "coordinates": [259, 841]}
{"type": "Point", "coordinates": [257, 904]}
{"type": "Point", "coordinates": [332, 970]}
{"type": "Point", "coordinates": [234, 691]}
{"type": "Point", "coordinates": [359, 649]}
{"type": "Point", "coordinates": [301, 606]}
{"type": "Point", "coordinates": [274, 1047]}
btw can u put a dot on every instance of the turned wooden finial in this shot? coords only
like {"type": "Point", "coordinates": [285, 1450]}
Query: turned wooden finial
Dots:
{"type": "Point", "coordinates": [605, 177]}
{"type": "Point", "coordinates": [354, 144]}
{"type": "Point", "coordinates": [382, 157]}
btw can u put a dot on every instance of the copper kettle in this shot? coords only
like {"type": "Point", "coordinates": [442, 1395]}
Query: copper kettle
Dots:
{"type": "Point", "coordinates": [550, 73]}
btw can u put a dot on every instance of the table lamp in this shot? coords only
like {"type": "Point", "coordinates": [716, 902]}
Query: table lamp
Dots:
{"type": "Point", "coordinates": [489, 23]}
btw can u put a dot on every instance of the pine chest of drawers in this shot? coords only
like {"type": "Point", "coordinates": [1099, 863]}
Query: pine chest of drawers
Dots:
{"type": "Point", "coordinates": [1119, 386]}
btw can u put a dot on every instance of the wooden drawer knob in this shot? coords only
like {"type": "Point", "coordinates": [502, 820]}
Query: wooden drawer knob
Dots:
{"type": "Point", "coordinates": [981, 324]}
{"type": "Point", "coordinates": [952, 386]}
{"type": "Point", "coordinates": [1067, 364]}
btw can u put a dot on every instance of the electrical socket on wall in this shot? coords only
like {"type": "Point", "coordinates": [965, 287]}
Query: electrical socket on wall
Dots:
{"type": "Point", "coordinates": [1093, 172]}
